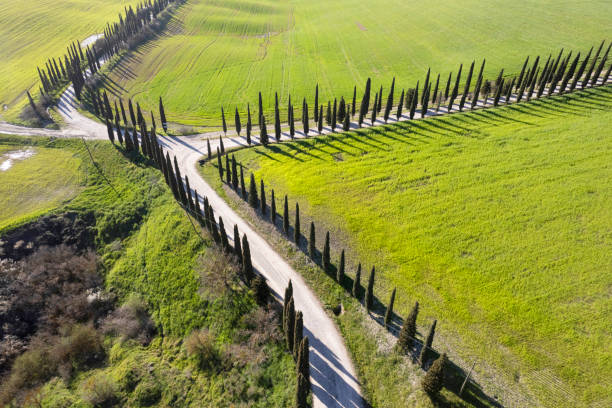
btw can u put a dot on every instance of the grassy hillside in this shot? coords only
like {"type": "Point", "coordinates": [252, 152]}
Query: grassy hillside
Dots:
{"type": "Point", "coordinates": [495, 221]}
{"type": "Point", "coordinates": [40, 30]}
{"type": "Point", "coordinates": [222, 53]}
{"type": "Point", "coordinates": [35, 184]}
{"type": "Point", "coordinates": [150, 251]}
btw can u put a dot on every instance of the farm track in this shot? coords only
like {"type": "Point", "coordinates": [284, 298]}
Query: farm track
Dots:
{"type": "Point", "coordinates": [334, 379]}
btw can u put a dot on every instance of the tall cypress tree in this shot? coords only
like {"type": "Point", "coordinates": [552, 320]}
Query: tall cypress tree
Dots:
{"type": "Point", "coordinates": [389, 101]}
{"type": "Point", "coordinates": [426, 350]}
{"type": "Point", "coordinates": [447, 89]}
{"type": "Point", "coordinates": [316, 104]}
{"type": "Point", "coordinates": [334, 117]}
{"type": "Point", "coordinates": [262, 291]}
{"type": "Point", "coordinates": [369, 300]}
{"type": "Point", "coordinates": [263, 137]}
{"type": "Point", "coordinates": [162, 115]}
{"type": "Point", "coordinates": [433, 98]}
{"type": "Point", "coordinates": [414, 98]}
{"type": "Point", "coordinates": [354, 101]}
{"type": "Point", "coordinates": [312, 245]}
{"type": "Point", "coordinates": [591, 66]}
{"type": "Point", "coordinates": [365, 102]}
{"type": "Point", "coordinates": [509, 90]}
{"type": "Point", "coordinates": [237, 122]}
{"type": "Point", "coordinates": [320, 122]}
{"type": "Point", "coordinates": [253, 201]}
{"type": "Point", "coordinates": [347, 122]}
{"type": "Point", "coordinates": [379, 105]}
{"type": "Point", "coordinates": [242, 186]}
{"type": "Point", "coordinates": [389, 311]}
{"type": "Point", "coordinates": [498, 92]}
{"type": "Point", "coordinates": [277, 124]}
{"type": "Point", "coordinates": [326, 255]}
{"type": "Point", "coordinates": [228, 171]}
{"type": "Point", "coordinates": [286, 216]}
{"type": "Point", "coordinates": [249, 125]}
{"type": "Point", "coordinates": [467, 87]}
{"type": "Point", "coordinates": [357, 284]}
{"type": "Point", "coordinates": [223, 121]}
{"type": "Point", "coordinates": [434, 379]}
{"type": "Point", "coordinates": [328, 116]}
{"type": "Point", "coordinates": [569, 73]}
{"type": "Point", "coordinates": [273, 208]}
{"type": "Point", "coordinates": [262, 197]}
{"type": "Point", "coordinates": [399, 106]}
{"type": "Point", "coordinates": [303, 386]}
{"type": "Point", "coordinates": [109, 128]}
{"type": "Point", "coordinates": [291, 122]}
{"type": "Point", "coordinates": [305, 120]}
{"type": "Point", "coordinates": [455, 91]}
{"type": "Point", "coordinates": [234, 173]}
{"type": "Point", "coordinates": [290, 324]}
{"type": "Point", "coordinates": [600, 67]}
{"type": "Point", "coordinates": [298, 333]}
{"type": "Point", "coordinates": [208, 149]}
{"type": "Point", "coordinates": [374, 110]}
{"type": "Point", "coordinates": [214, 230]}
{"type": "Point", "coordinates": [425, 100]}
{"type": "Point", "coordinates": [220, 164]}
{"type": "Point", "coordinates": [224, 240]}
{"type": "Point", "coordinates": [406, 338]}
{"type": "Point", "coordinates": [341, 110]}
{"type": "Point", "coordinates": [296, 231]}
{"type": "Point", "coordinates": [237, 246]}
{"type": "Point", "coordinates": [247, 265]}
{"type": "Point", "coordinates": [521, 75]}
{"type": "Point", "coordinates": [580, 70]}
{"type": "Point", "coordinates": [340, 271]}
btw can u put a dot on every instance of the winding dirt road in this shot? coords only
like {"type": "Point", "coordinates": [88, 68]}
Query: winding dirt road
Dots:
{"type": "Point", "coordinates": [333, 377]}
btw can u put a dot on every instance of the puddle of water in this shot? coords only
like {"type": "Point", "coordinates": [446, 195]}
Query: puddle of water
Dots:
{"type": "Point", "coordinates": [11, 157]}
{"type": "Point", "coordinates": [90, 40]}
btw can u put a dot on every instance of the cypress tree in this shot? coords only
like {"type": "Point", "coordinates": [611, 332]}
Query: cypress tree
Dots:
{"type": "Point", "coordinates": [312, 249]}
{"type": "Point", "coordinates": [305, 120]}
{"type": "Point", "coordinates": [247, 265]}
{"type": "Point", "coordinates": [326, 255]}
{"type": "Point", "coordinates": [369, 301]}
{"type": "Point", "coordinates": [286, 216]}
{"type": "Point", "coordinates": [379, 105]}
{"type": "Point", "coordinates": [237, 122]}
{"type": "Point", "coordinates": [303, 386]}
{"type": "Point", "coordinates": [288, 296]}
{"type": "Point", "coordinates": [467, 87]}
{"type": "Point", "coordinates": [414, 98]}
{"type": "Point", "coordinates": [179, 182]}
{"type": "Point", "coordinates": [389, 311]}
{"type": "Point", "coordinates": [298, 333]}
{"type": "Point", "coordinates": [242, 186]}
{"type": "Point", "coordinates": [455, 89]}
{"type": "Point", "coordinates": [234, 173]}
{"type": "Point", "coordinates": [263, 137]}
{"type": "Point", "coordinates": [261, 113]}
{"type": "Point", "coordinates": [220, 164]}
{"type": "Point", "coordinates": [221, 145]}
{"type": "Point", "coordinates": [316, 105]}
{"type": "Point", "coordinates": [434, 378]}
{"type": "Point", "coordinates": [277, 124]}
{"type": "Point", "coordinates": [425, 351]}
{"type": "Point", "coordinates": [399, 106]}
{"type": "Point", "coordinates": [273, 208]}
{"type": "Point", "coordinates": [109, 128]}
{"type": "Point", "coordinates": [320, 122]}
{"type": "Point", "coordinates": [290, 324]}
{"type": "Point", "coordinates": [498, 92]}
{"type": "Point", "coordinates": [591, 67]}
{"type": "Point", "coordinates": [354, 101]}
{"type": "Point", "coordinates": [253, 201]}
{"type": "Point", "coordinates": [262, 291]}
{"type": "Point", "coordinates": [190, 203]}
{"type": "Point", "coordinates": [509, 90]}
{"type": "Point", "coordinates": [486, 89]}
{"type": "Point", "coordinates": [262, 198]}
{"type": "Point", "coordinates": [521, 75]}
{"type": "Point", "coordinates": [333, 125]}
{"type": "Point", "coordinates": [214, 230]}
{"type": "Point", "coordinates": [291, 122]}
{"type": "Point", "coordinates": [533, 83]}
{"type": "Point", "coordinates": [237, 246]}
{"type": "Point", "coordinates": [224, 240]}
{"type": "Point", "coordinates": [447, 89]}
{"type": "Point", "coordinates": [228, 168]}
{"type": "Point", "coordinates": [328, 117]}
{"type": "Point", "coordinates": [223, 121]}
{"type": "Point", "coordinates": [208, 149]}
{"type": "Point", "coordinates": [347, 122]}
{"type": "Point", "coordinates": [340, 271]}
{"type": "Point", "coordinates": [162, 115]}
{"type": "Point", "coordinates": [341, 110]}
{"type": "Point", "coordinates": [600, 67]}
{"type": "Point", "coordinates": [476, 92]}
{"type": "Point", "coordinates": [249, 125]}
{"type": "Point", "coordinates": [296, 232]}
{"type": "Point", "coordinates": [357, 284]}
{"type": "Point", "coordinates": [407, 335]}
{"type": "Point", "coordinates": [521, 90]}
{"type": "Point", "coordinates": [580, 71]}
{"type": "Point", "coordinates": [365, 102]}
{"type": "Point", "coordinates": [569, 74]}
{"type": "Point", "coordinates": [425, 100]}
{"type": "Point", "coordinates": [389, 105]}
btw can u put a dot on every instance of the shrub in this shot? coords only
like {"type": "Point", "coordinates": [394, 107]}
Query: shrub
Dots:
{"type": "Point", "coordinates": [200, 344]}
{"type": "Point", "coordinates": [147, 393]}
{"type": "Point", "coordinates": [82, 348]}
{"type": "Point", "coordinates": [100, 391]}
{"type": "Point", "coordinates": [131, 321]}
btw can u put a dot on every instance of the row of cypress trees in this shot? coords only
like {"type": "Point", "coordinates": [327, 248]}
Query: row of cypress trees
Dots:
{"type": "Point", "coordinates": [72, 67]}
{"type": "Point", "coordinates": [561, 74]}
{"type": "Point", "coordinates": [406, 342]}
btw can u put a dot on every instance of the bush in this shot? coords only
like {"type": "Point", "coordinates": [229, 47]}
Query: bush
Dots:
{"type": "Point", "coordinates": [147, 393]}
{"type": "Point", "coordinates": [100, 391]}
{"type": "Point", "coordinates": [131, 321]}
{"type": "Point", "coordinates": [82, 348]}
{"type": "Point", "coordinates": [200, 344]}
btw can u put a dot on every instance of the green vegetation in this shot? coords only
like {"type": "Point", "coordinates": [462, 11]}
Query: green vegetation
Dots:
{"type": "Point", "coordinates": [222, 53]}
{"type": "Point", "coordinates": [494, 221]}
{"type": "Point", "coordinates": [30, 35]}
{"type": "Point", "coordinates": [36, 184]}
{"type": "Point", "coordinates": [213, 345]}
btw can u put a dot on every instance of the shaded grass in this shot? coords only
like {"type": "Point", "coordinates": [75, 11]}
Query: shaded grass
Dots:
{"type": "Point", "coordinates": [218, 54]}
{"type": "Point", "coordinates": [495, 221]}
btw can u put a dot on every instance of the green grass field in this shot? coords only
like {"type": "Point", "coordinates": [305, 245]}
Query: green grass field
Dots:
{"type": "Point", "coordinates": [41, 29]}
{"type": "Point", "coordinates": [35, 185]}
{"type": "Point", "coordinates": [222, 53]}
{"type": "Point", "coordinates": [497, 222]}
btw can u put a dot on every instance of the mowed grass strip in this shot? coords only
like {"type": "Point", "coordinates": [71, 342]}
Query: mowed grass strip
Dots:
{"type": "Point", "coordinates": [36, 30]}
{"type": "Point", "coordinates": [36, 184]}
{"type": "Point", "coordinates": [223, 53]}
{"type": "Point", "coordinates": [498, 222]}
